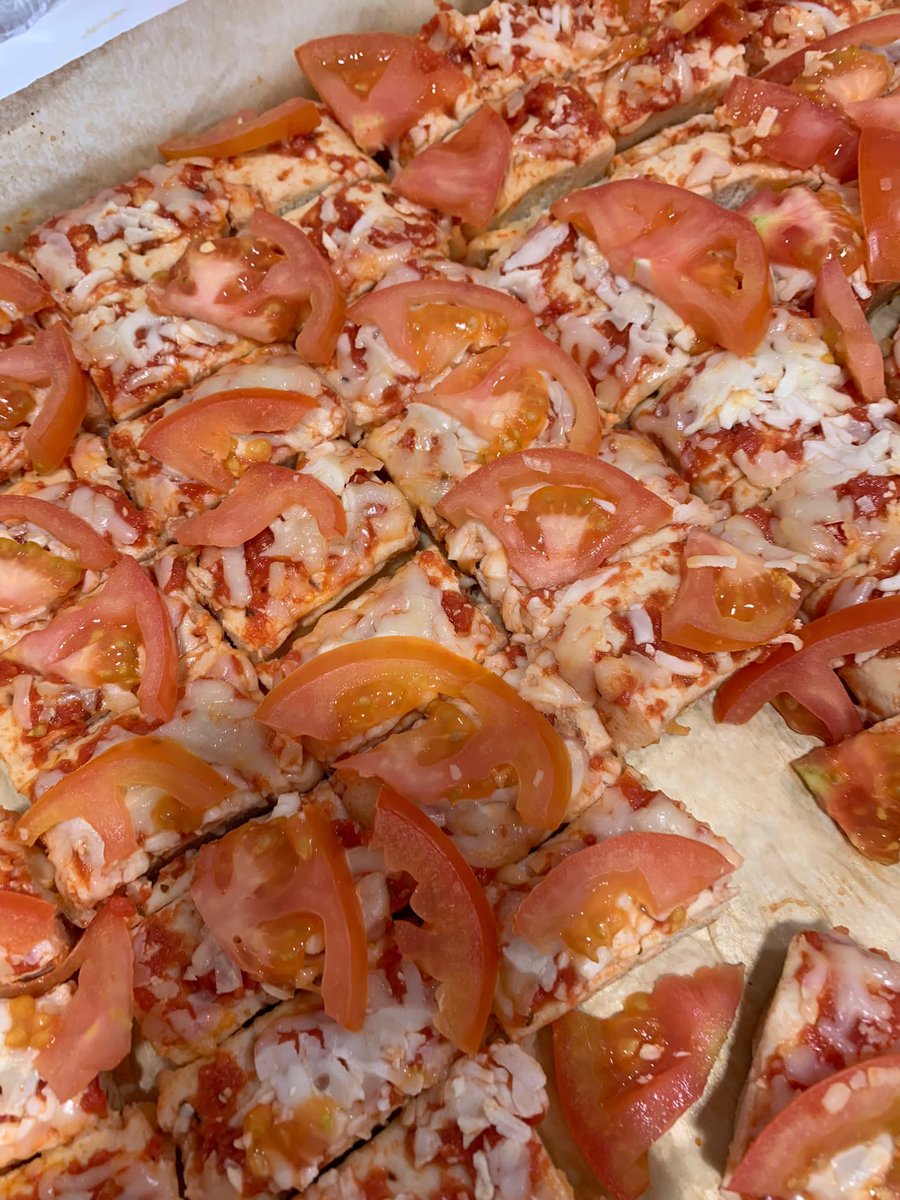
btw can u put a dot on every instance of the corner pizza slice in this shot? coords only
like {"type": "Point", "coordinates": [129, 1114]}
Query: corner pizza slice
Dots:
{"type": "Point", "coordinates": [629, 874]}
{"type": "Point", "coordinates": [819, 1107]}
{"type": "Point", "coordinates": [472, 1135]}
{"type": "Point", "coordinates": [127, 1158]}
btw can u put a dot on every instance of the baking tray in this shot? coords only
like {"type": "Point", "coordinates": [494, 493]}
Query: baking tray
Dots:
{"type": "Point", "coordinates": [95, 122]}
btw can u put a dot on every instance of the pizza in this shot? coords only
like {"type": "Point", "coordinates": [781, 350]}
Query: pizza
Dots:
{"type": "Point", "coordinates": [380, 475]}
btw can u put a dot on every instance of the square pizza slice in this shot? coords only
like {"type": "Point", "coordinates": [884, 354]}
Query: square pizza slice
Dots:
{"type": "Point", "coordinates": [472, 1135]}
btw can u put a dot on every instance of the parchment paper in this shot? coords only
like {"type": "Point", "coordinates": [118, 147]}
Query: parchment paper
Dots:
{"type": "Point", "coordinates": [95, 122]}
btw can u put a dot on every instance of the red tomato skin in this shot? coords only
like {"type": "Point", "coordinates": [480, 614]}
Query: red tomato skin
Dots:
{"type": "Point", "coordinates": [848, 332]}
{"type": "Point", "coordinates": [245, 131]}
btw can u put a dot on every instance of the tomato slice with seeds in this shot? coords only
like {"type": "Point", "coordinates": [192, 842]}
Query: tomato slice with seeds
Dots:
{"type": "Point", "coordinates": [93, 1033]}
{"type": "Point", "coordinates": [806, 674]}
{"type": "Point", "coordinates": [127, 611]}
{"type": "Point", "coordinates": [430, 323]}
{"type": "Point", "coordinates": [705, 262]}
{"type": "Point", "coordinates": [616, 1098]}
{"type": "Point", "coordinates": [840, 78]}
{"type": "Point", "coordinates": [503, 395]}
{"type": "Point", "coordinates": [847, 331]}
{"type": "Point", "coordinates": [801, 135]}
{"type": "Point", "coordinates": [728, 600]}
{"type": "Point", "coordinates": [879, 196]}
{"type": "Point", "coordinates": [464, 175]}
{"type": "Point", "coordinates": [22, 292]}
{"type": "Point", "coordinates": [578, 511]}
{"type": "Point", "coordinates": [261, 284]}
{"type": "Point", "coordinates": [33, 578]}
{"type": "Point", "coordinates": [879, 31]}
{"type": "Point", "coordinates": [858, 784]}
{"type": "Point", "coordinates": [196, 440]}
{"type": "Point", "coordinates": [49, 362]}
{"type": "Point", "coordinates": [800, 228]}
{"type": "Point", "coordinates": [265, 887]}
{"type": "Point", "coordinates": [94, 552]}
{"type": "Point", "coordinates": [95, 791]}
{"type": "Point", "coordinates": [580, 900]}
{"type": "Point", "coordinates": [262, 494]}
{"type": "Point", "coordinates": [379, 85]}
{"type": "Point", "coordinates": [245, 131]}
{"type": "Point", "coordinates": [848, 1109]}
{"type": "Point", "coordinates": [457, 940]}
{"type": "Point", "coordinates": [26, 921]}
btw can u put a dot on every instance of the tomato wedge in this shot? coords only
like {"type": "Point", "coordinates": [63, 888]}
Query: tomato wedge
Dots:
{"type": "Point", "coordinates": [261, 284]}
{"type": "Point", "coordinates": [263, 493]}
{"type": "Point", "coordinates": [580, 899]}
{"type": "Point", "coordinates": [128, 609]}
{"type": "Point", "coordinates": [32, 578]}
{"type": "Point", "coordinates": [579, 510]}
{"type": "Point", "coordinates": [359, 686]}
{"type": "Point", "coordinates": [451, 757]}
{"type": "Point", "coordinates": [457, 940]}
{"type": "Point", "coordinates": [857, 783]}
{"type": "Point", "coordinates": [464, 175]}
{"type": "Point", "coordinates": [94, 1030]}
{"type": "Point", "coordinates": [49, 362]}
{"type": "Point", "coordinates": [22, 292]}
{"type": "Point", "coordinates": [196, 439]}
{"type": "Point", "coordinates": [807, 675]}
{"type": "Point", "coordinates": [802, 134]}
{"type": "Point", "coordinates": [720, 607]}
{"type": "Point", "coordinates": [880, 113]}
{"type": "Point", "coordinates": [880, 31]}
{"type": "Point", "coordinates": [261, 889]}
{"type": "Point", "coordinates": [705, 262]}
{"type": "Point", "coordinates": [25, 922]}
{"type": "Point", "coordinates": [95, 791]}
{"type": "Point", "coordinates": [800, 228]}
{"type": "Point", "coordinates": [616, 1100]}
{"type": "Point", "coordinates": [879, 196]}
{"type": "Point", "coordinates": [94, 552]}
{"type": "Point", "coordinates": [849, 1108]}
{"type": "Point", "coordinates": [379, 85]}
{"type": "Point", "coordinates": [430, 323]}
{"type": "Point", "coordinates": [245, 131]}
{"type": "Point", "coordinates": [847, 331]}
{"type": "Point", "coordinates": [503, 395]}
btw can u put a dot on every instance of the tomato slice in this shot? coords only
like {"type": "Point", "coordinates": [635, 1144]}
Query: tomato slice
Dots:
{"type": "Point", "coordinates": [430, 323]}
{"type": "Point", "coordinates": [457, 940]}
{"type": "Point", "coordinates": [858, 784]}
{"type": "Point", "coordinates": [261, 889]}
{"type": "Point", "coordinates": [451, 757]}
{"type": "Point", "coordinates": [579, 510]}
{"type": "Point", "coordinates": [195, 440]}
{"type": "Point", "coordinates": [503, 395]}
{"type": "Point", "coordinates": [881, 113]}
{"type": "Point", "coordinates": [879, 195]}
{"type": "Point", "coordinates": [263, 493]}
{"type": "Point", "coordinates": [728, 24]}
{"type": "Point", "coordinates": [94, 552]}
{"type": "Point", "coordinates": [847, 331]}
{"type": "Point", "coordinates": [802, 134]}
{"type": "Point", "coordinates": [580, 899]}
{"type": "Point", "coordinates": [849, 1108]}
{"type": "Point", "coordinates": [49, 361]}
{"type": "Point", "coordinates": [379, 85]}
{"type": "Point", "coordinates": [616, 1099]}
{"type": "Point", "coordinates": [841, 78]}
{"type": "Point", "coordinates": [261, 284]}
{"type": "Point", "coordinates": [361, 685]}
{"type": "Point", "coordinates": [94, 1030]}
{"type": "Point", "coordinates": [245, 131]}
{"type": "Point", "coordinates": [33, 578]}
{"type": "Point", "coordinates": [806, 674]}
{"type": "Point", "coordinates": [22, 292]}
{"type": "Point", "coordinates": [720, 607]}
{"type": "Point", "coordinates": [800, 228]}
{"type": "Point", "coordinates": [94, 792]}
{"type": "Point", "coordinates": [464, 175]}
{"type": "Point", "coordinates": [705, 262]}
{"type": "Point", "coordinates": [880, 31]}
{"type": "Point", "coordinates": [690, 15]}
{"type": "Point", "coordinates": [26, 921]}
{"type": "Point", "coordinates": [126, 610]}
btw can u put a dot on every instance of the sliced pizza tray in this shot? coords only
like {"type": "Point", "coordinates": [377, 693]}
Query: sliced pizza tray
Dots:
{"type": "Point", "coordinates": [96, 121]}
